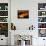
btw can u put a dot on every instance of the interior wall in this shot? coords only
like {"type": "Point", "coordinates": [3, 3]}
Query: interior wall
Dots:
{"type": "Point", "coordinates": [32, 6]}
{"type": "Point", "coordinates": [23, 24]}
{"type": "Point", "coordinates": [3, 1]}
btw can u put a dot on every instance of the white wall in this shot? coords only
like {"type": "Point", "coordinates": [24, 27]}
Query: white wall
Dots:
{"type": "Point", "coordinates": [32, 6]}
{"type": "Point", "coordinates": [3, 1]}
{"type": "Point", "coordinates": [23, 24]}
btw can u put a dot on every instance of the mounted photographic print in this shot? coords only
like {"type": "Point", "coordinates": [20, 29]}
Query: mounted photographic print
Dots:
{"type": "Point", "coordinates": [3, 19]}
{"type": "Point", "coordinates": [41, 19]}
{"type": "Point", "coordinates": [42, 32]}
{"type": "Point", "coordinates": [41, 6]}
{"type": "Point", "coordinates": [4, 29]}
{"type": "Point", "coordinates": [23, 14]}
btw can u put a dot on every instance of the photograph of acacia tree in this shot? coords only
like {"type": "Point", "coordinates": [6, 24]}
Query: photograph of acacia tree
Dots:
{"type": "Point", "coordinates": [23, 14]}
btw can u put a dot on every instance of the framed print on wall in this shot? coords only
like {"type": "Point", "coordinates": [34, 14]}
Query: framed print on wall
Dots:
{"type": "Point", "coordinates": [23, 14]}
{"type": "Point", "coordinates": [42, 33]}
